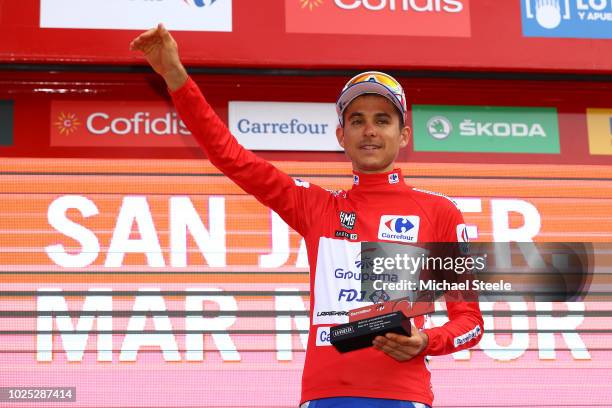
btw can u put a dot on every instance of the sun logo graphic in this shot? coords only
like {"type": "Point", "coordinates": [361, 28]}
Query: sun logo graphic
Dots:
{"type": "Point", "coordinates": [200, 3]}
{"type": "Point", "coordinates": [67, 123]}
{"type": "Point", "coordinates": [310, 4]}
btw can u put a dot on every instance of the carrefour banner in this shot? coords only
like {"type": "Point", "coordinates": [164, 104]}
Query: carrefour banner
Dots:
{"type": "Point", "coordinates": [160, 283]}
{"type": "Point", "coordinates": [192, 15]}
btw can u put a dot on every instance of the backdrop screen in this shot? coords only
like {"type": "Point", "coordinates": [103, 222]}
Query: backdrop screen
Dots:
{"type": "Point", "coordinates": [133, 271]}
{"type": "Point", "coordinates": [160, 283]}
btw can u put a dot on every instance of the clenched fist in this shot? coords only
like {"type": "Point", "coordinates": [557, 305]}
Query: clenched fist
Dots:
{"type": "Point", "coordinates": [161, 52]}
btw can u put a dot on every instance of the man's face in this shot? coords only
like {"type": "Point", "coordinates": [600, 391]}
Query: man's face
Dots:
{"type": "Point", "coordinates": [371, 135]}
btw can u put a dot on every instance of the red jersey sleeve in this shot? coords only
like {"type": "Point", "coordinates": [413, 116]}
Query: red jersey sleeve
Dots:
{"type": "Point", "coordinates": [293, 199]}
{"type": "Point", "coordinates": [465, 326]}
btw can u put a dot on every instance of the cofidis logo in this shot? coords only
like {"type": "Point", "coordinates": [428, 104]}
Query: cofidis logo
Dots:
{"type": "Point", "coordinates": [186, 15]}
{"type": "Point", "coordinates": [439, 18]}
{"type": "Point", "coordinates": [117, 124]}
{"type": "Point", "coordinates": [567, 18]}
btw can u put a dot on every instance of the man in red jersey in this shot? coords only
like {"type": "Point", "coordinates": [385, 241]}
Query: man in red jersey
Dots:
{"type": "Point", "coordinates": [379, 207]}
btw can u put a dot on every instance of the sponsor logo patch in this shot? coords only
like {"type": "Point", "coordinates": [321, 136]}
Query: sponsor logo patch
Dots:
{"type": "Point", "coordinates": [464, 338]}
{"type": "Point", "coordinates": [332, 313]}
{"type": "Point", "coordinates": [462, 235]}
{"type": "Point", "coordinates": [323, 336]}
{"type": "Point", "coordinates": [347, 219]}
{"type": "Point", "coordinates": [401, 228]}
{"type": "Point", "coordinates": [347, 235]}
{"type": "Point", "coordinates": [349, 295]}
{"type": "Point", "coordinates": [301, 183]}
{"type": "Point", "coordinates": [379, 296]}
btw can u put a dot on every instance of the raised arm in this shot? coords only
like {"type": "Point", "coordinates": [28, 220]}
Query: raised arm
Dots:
{"type": "Point", "coordinates": [161, 52]}
{"type": "Point", "coordinates": [294, 201]}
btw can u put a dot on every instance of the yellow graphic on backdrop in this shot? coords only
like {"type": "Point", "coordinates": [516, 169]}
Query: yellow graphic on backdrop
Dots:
{"type": "Point", "coordinates": [599, 123]}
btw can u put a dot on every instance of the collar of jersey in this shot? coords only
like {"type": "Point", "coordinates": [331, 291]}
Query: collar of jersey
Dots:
{"type": "Point", "coordinates": [391, 178]}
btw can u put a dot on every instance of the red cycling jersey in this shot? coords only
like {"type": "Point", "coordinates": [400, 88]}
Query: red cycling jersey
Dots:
{"type": "Point", "coordinates": [333, 225]}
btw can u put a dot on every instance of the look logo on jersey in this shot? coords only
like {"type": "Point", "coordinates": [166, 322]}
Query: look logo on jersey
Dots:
{"type": "Point", "coordinates": [400, 228]}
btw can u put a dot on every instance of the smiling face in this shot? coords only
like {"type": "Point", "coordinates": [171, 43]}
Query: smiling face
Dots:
{"type": "Point", "coordinates": [371, 136]}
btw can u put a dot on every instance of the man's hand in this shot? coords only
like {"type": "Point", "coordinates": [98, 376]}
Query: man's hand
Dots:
{"type": "Point", "coordinates": [402, 348]}
{"type": "Point", "coordinates": [161, 52]}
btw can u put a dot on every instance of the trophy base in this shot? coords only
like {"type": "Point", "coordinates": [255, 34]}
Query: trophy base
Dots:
{"type": "Point", "coordinates": [360, 333]}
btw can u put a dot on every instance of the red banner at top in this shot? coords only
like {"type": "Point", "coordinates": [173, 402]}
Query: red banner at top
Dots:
{"type": "Point", "coordinates": [346, 34]}
{"type": "Point", "coordinates": [439, 18]}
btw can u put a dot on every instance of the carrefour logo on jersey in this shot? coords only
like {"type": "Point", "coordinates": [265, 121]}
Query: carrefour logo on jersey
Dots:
{"type": "Point", "coordinates": [567, 18]}
{"type": "Point", "coordinates": [284, 125]}
{"type": "Point", "coordinates": [323, 336]}
{"type": "Point", "coordinates": [186, 15]}
{"type": "Point", "coordinates": [485, 129]}
{"type": "Point", "coordinates": [432, 18]}
{"type": "Point", "coordinates": [117, 124]}
{"type": "Point", "coordinates": [400, 228]}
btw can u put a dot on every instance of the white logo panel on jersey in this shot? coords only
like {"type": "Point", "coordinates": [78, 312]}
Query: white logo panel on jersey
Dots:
{"type": "Point", "coordinates": [337, 286]}
{"type": "Point", "coordinates": [400, 228]}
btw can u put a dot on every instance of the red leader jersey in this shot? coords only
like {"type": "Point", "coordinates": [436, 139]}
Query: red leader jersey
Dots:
{"type": "Point", "coordinates": [379, 207]}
